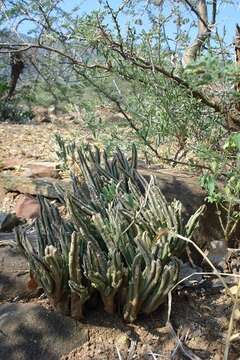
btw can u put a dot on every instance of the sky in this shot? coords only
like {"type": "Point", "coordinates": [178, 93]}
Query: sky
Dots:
{"type": "Point", "coordinates": [228, 16]}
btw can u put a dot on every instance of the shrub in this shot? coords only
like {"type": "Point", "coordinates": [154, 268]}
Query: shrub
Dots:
{"type": "Point", "coordinates": [120, 241]}
{"type": "Point", "coordinates": [14, 113]}
{"type": "Point", "coordinates": [223, 186]}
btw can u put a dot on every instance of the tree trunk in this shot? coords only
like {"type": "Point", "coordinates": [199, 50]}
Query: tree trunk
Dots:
{"type": "Point", "coordinates": [234, 111]}
{"type": "Point", "coordinates": [237, 54]}
{"type": "Point", "coordinates": [204, 32]}
{"type": "Point", "coordinates": [17, 66]}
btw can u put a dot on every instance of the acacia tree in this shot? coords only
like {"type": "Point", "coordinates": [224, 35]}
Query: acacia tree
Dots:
{"type": "Point", "coordinates": [167, 84]}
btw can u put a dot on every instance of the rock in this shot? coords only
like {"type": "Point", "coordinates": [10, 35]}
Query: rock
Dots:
{"type": "Point", "coordinates": [237, 314]}
{"type": "Point", "coordinates": [186, 272]}
{"type": "Point", "coordinates": [10, 164]}
{"type": "Point", "coordinates": [109, 115]}
{"type": "Point", "coordinates": [182, 186]}
{"type": "Point", "coordinates": [14, 271]}
{"type": "Point", "coordinates": [41, 114]}
{"type": "Point", "coordinates": [216, 254]}
{"type": "Point", "coordinates": [123, 342]}
{"type": "Point", "coordinates": [8, 221]}
{"type": "Point", "coordinates": [235, 290]}
{"type": "Point", "coordinates": [27, 207]}
{"type": "Point", "coordinates": [3, 193]}
{"type": "Point", "coordinates": [216, 283]}
{"type": "Point", "coordinates": [32, 332]}
{"type": "Point", "coordinates": [25, 185]}
{"type": "Point", "coordinates": [115, 118]}
{"type": "Point", "coordinates": [41, 170]}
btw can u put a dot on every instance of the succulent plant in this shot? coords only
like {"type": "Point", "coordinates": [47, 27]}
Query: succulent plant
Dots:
{"type": "Point", "coordinates": [65, 152]}
{"type": "Point", "coordinates": [104, 273]}
{"type": "Point", "coordinates": [80, 292]}
{"type": "Point", "coordinates": [120, 240]}
{"type": "Point", "coordinates": [48, 258]}
{"type": "Point", "coordinates": [148, 285]}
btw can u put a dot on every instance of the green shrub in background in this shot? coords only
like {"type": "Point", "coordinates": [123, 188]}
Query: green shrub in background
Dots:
{"type": "Point", "coordinates": [222, 183]}
{"type": "Point", "coordinates": [11, 111]}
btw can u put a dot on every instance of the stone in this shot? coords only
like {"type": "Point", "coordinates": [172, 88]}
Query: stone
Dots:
{"type": "Point", "coordinates": [14, 271]}
{"type": "Point", "coordinates": [41, 114]}
{"type": "Point", "coordinates": [109, 115]}
{"type": "Point", "coordinates": [27, 207]}
{"type": "Point", "coordinates": [26, 185]}
{"type": "Point", "coordinates": [188, 275]}
{"type": "Point", "coordinates": [29, 331]}
{"type": "Point", "coordinates": [237, 314]}
{"type": "Point", "coordinates": [41, 170]}
{"type": "Point", "coordinates": [217, 251]}
{"type": "Point", "coordinates": [123, 341]}
{"type": "Point", "coordinates": [235, 290]}
{"type": "Point", "coordinates": [3, 193]}
{"type": "Point", "coordinates": [10, 164]}
{"type": "Point", "coordinates": [8, 221]}
{"type": "Point", "coordinates": [115, 118]}
{"type": "Point", "coordinates": [182, 186]}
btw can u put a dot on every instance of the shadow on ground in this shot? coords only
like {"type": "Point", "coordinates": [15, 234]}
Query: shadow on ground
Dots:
{"type": "Point", "coordinates": [30, 332]}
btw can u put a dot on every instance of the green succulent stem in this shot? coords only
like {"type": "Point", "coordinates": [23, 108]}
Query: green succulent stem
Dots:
{"type": "Point", "coordinates": [120, 240]}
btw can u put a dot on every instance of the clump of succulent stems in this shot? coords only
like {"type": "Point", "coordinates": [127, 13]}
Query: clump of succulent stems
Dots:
{"type": "Point", "coordinates": [119, 242]}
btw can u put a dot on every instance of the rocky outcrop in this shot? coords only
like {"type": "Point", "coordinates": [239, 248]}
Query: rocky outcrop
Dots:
{"type": "Point", "coordinates": [26, 185]}
{"type": "Point", "coordinates": [10, 164]}
{"type": "Point", "coordinates": [8, 221]}
{"type": "Point", "coordinates": [14, 271]}
{"type": "Point", "coordinates": [41, 170]}
{"type": "Point", "coordinates": [27, 207]}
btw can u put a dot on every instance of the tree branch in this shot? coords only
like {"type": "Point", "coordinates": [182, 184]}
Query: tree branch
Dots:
{"type": "Point", "coordinates": [135, 128]}
{"type": "Point", "coordinates": [200, 15]}
{"type": "Point", "coordinates": [15, 48]}
{"type": "Point", "coordinates": [133, 59]}
{"type": "Point", "coordinates": [214, 11]}
{"type": "Point", "coordinates": [204, 31]}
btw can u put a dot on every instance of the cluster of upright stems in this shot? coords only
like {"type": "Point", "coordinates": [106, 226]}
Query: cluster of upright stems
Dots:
{"type": "Point", "coordinates": [118, 243]}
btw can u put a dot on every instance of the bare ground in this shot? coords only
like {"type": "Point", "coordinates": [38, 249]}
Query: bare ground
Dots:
{"type": "Point", "coordinates": [199, 318]}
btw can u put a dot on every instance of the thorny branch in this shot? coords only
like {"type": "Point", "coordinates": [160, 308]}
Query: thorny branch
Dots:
{"type": "Point", "coordinates": [136, 129]}
{"type": "Point", "coordinates": [118, 47]}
